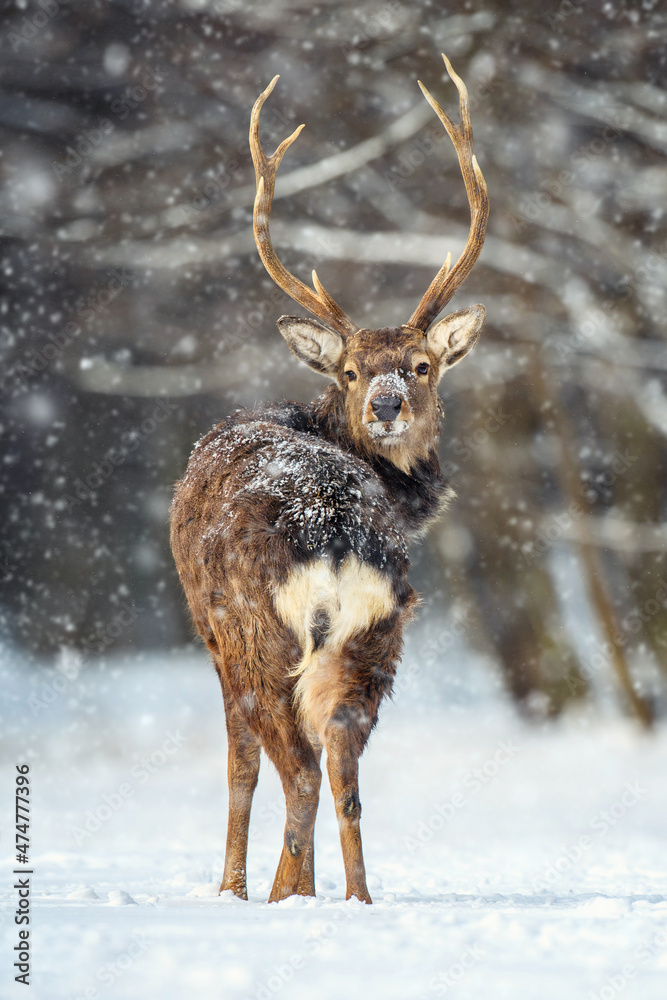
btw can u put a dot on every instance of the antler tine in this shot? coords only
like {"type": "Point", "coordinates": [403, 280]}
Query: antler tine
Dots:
{"type": "Point", "coordinates": [318, 302]}
{"type": "Point", "coordinates": [446, 282]}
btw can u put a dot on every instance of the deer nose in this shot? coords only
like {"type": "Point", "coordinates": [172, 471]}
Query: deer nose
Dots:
{"type": "Point", "coordinates": [386, 407]}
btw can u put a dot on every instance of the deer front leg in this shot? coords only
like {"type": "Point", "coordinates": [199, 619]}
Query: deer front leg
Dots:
{"type": "Point", "coordinates": [243, 754]}
{"type": "Point", "coordinates": [343, 768]}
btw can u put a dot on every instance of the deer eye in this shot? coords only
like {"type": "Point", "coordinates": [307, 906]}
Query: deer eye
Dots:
{"type": "Point", "coordinates": [351, 376]}
{"type": "Point", "coordinates": [422, 369]}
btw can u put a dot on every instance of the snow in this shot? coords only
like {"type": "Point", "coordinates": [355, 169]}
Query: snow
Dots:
{"type": "Point", "coordinates": [324, 493]}
{"type": "Point", "coordinates": [504, 859]}
{"type": "Point", "coordinates": [392, 383]}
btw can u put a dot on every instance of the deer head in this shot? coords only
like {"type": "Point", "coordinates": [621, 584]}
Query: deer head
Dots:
{"type": "Point", "coordinates": [387, 377]}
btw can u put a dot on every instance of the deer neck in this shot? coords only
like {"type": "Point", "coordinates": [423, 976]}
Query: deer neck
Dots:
{"type": "Point", "coordinates": [420, 494]}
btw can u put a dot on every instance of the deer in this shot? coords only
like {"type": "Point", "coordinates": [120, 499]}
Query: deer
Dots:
{"type": "Point", "coordinates": [290, 531]}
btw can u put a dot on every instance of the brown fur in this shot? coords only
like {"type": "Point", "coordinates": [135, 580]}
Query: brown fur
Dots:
{"type": "Point", "coordinates": [289, 532]}
{"type": "Point", "coordinates": [290, 529]}
{"type": "Point", "coordinates": [376, 352]}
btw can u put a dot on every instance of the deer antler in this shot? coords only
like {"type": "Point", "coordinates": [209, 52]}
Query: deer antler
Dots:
{"type": "Point", "coordinates": [446, 282]}
{"type": "Point", "coordinates": [318, 302]}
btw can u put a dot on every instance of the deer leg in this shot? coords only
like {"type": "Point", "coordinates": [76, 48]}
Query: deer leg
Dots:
{"type": "Point", "coordinates": [306, 885]}
{"type": "Point", "coordinates": [243, 752]}
{"type": "Point", "coordinates": [343, 769]}
{"type": "Point", "coordinates": [301, 783]}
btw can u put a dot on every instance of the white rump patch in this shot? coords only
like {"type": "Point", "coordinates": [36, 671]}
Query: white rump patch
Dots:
{"type": "Point", "coordinates": [353, 596]}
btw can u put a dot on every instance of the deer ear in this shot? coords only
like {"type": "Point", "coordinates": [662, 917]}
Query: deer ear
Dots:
{"type": "Point", "coordinates": [313, 343]}
{"type": "Point", "coordinates": [454, 336]}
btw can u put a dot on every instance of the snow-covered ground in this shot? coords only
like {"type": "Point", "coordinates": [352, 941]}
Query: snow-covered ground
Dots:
{"type": "Point", "coordinates": [504, 860]}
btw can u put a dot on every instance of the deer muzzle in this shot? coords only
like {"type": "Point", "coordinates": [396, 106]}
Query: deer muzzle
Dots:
{"type": "Point", "coordinates": [387, 412]}
{"type": "Point", "coordinates": [389, 418]}
{"type": "Point", "coordinates": [386, 407]}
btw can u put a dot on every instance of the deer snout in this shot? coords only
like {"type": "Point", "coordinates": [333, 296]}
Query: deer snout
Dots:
{"type": "Point", "coordinates": [386, 407]}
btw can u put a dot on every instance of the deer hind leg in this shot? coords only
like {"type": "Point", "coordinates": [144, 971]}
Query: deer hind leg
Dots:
{"type": "Point", "coordinates": [243, 753]}
{"type": "Point", "coordinates": [343, 768]}
{"type": "Point", "coordinates": [348, 620]}
{"type": "Point", "coordinates": [299, 770]}
{"type": "Point", "coordinates": [306, 885]}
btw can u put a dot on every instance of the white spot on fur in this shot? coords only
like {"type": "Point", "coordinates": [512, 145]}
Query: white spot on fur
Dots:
{"type": "Point", "coordinates": [389, 430]}
{"type": "Point", "coordinates": [354, 595]}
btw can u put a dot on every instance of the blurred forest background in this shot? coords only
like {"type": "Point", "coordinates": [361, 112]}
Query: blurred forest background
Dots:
{"type": "Point", "coordinates": [135, 312]}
